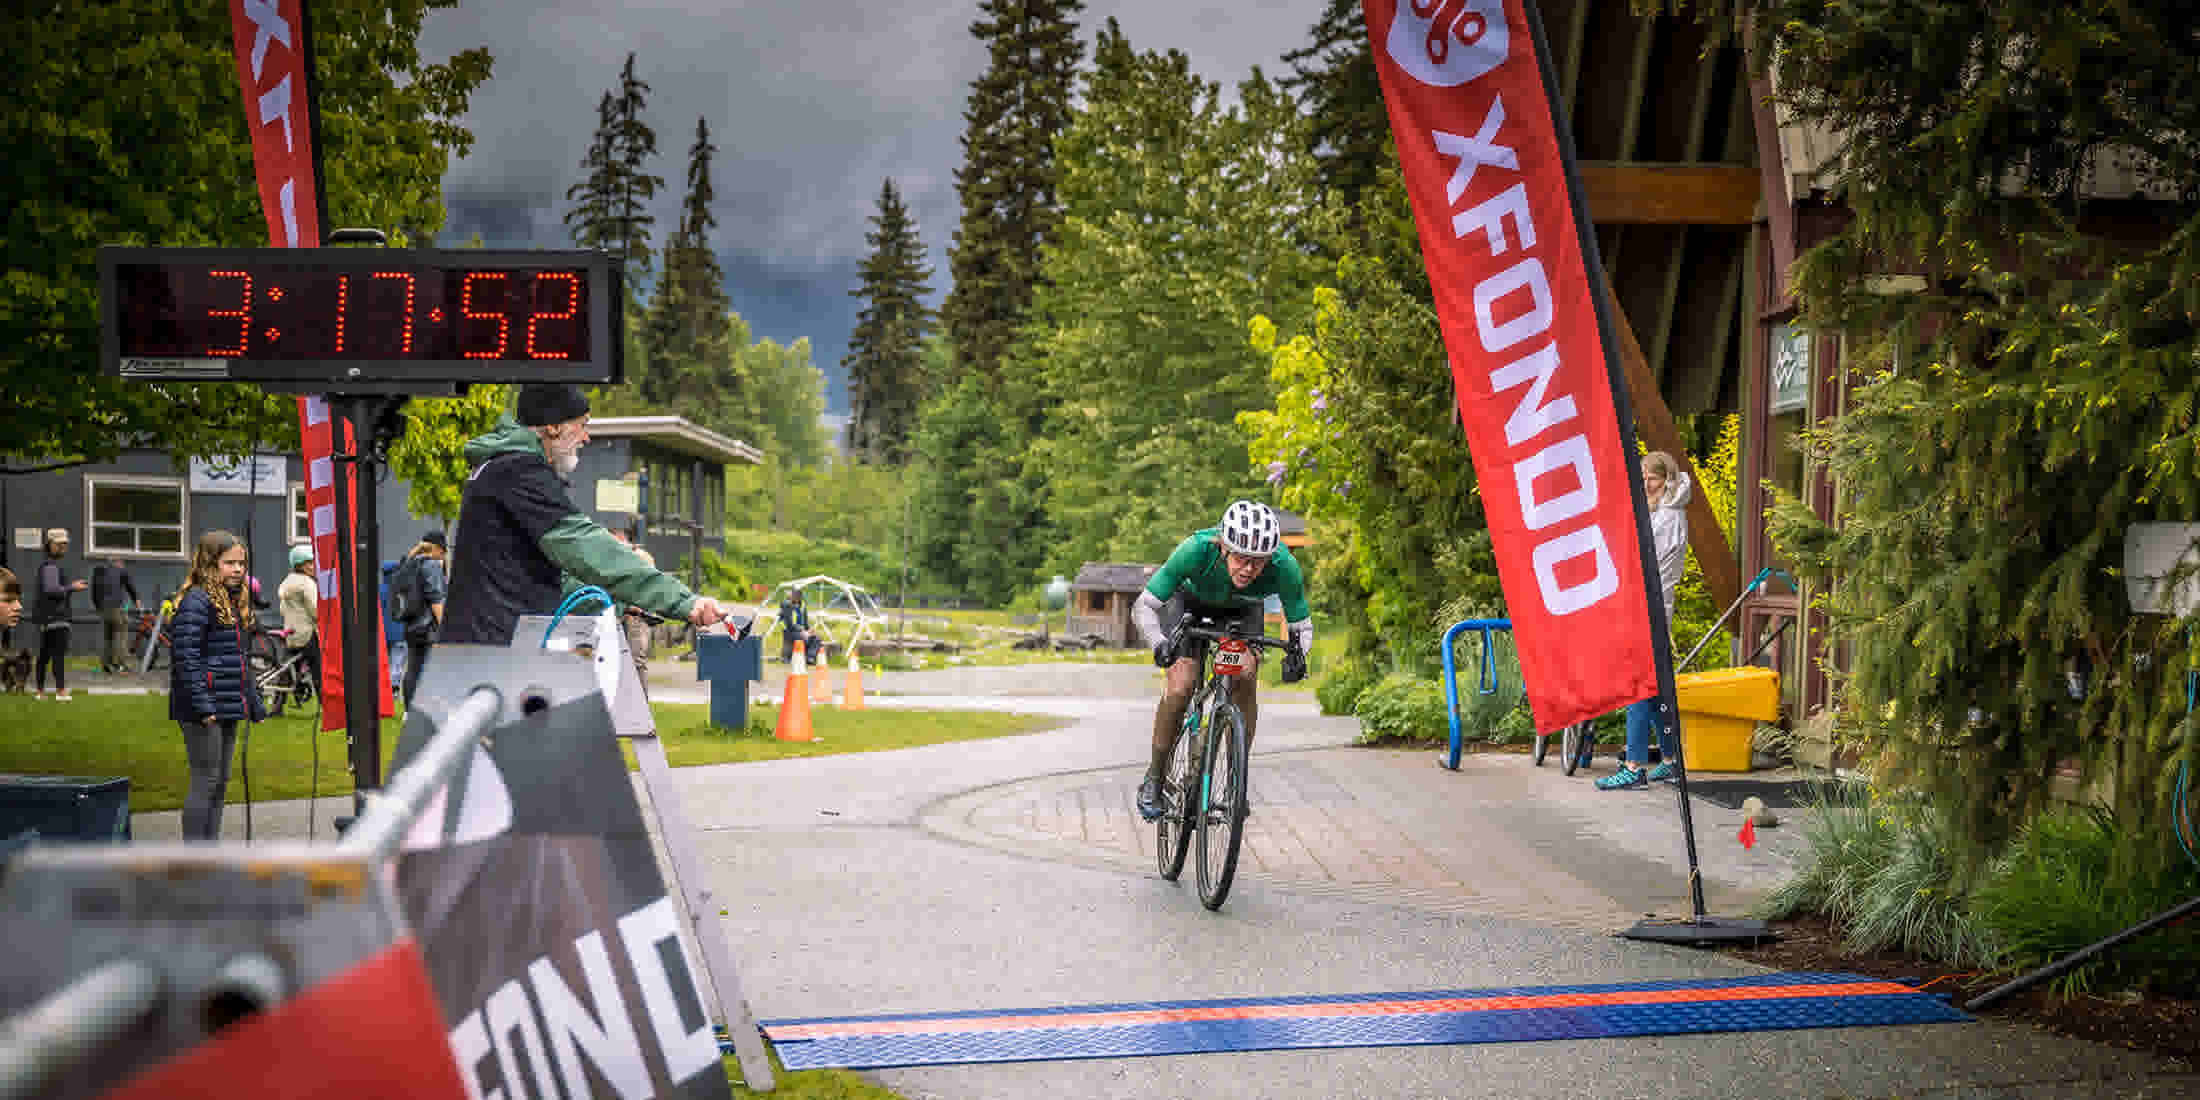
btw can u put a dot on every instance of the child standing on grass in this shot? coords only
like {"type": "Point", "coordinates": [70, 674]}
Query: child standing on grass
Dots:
{"type": "Point", "coordinates": [208, 689]}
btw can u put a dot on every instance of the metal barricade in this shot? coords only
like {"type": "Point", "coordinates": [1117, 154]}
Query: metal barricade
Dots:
{"type": "Point", "coordinates": [169, 944]}
{"type": "Point", "coordinates": [1486, 683]}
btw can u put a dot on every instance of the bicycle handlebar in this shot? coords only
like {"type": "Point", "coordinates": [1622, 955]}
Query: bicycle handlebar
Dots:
{"type": "Point", "coordinates": [1190, 631]}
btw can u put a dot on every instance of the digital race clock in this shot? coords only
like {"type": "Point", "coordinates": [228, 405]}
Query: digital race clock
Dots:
{"type": "Point", "coordinates": [368, 316]}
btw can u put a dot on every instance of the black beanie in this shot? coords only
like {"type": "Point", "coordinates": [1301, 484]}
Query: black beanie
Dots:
{"type": "Point", "coordinates": [542, 404]}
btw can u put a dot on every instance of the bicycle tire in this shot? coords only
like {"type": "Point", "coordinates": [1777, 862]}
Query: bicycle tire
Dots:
{"type": "Point", "coordinates": [1173, 829]}
{"type": "Point", "coordinates": [1542, 748]}
{"type": "Point", "coordinates": [1571, 748]}
{"type": "Point", "coordinates": [1222, 801]}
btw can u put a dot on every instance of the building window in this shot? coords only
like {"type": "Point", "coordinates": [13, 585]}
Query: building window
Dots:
{"type": "Point", "coordinates": [135, 516]}
{"type": "Point", "coordinates": [301, 521]}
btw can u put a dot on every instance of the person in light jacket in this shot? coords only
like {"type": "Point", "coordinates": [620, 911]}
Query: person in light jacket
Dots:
{"type": "Point", "coordinates": [1667, 489]}
{"type": "Point", "coordinates": [209, 691]}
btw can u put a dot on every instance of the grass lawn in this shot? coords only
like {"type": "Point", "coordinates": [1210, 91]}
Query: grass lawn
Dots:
{"type": "Point", "coordinates": [131, 735]}
{"type": "Point", "coordinates": [809, 1084]}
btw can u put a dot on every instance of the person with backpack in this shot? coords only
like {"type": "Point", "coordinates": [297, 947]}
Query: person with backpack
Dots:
{"type": "Point", "coordinates": [416, 596]}
{"type": "Point", "coordinates": [393, 632]}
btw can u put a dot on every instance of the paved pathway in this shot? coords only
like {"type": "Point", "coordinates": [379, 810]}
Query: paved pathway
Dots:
{"type": "Point", "coordinates": [1008, 873]}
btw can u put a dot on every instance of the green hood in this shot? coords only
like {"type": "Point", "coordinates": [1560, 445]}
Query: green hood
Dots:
{"type": "Point", "coordinates": [507, 437]}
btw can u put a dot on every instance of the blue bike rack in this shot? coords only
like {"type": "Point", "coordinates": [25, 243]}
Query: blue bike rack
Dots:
{"type": "Point", "coordinates": [1487, 684]}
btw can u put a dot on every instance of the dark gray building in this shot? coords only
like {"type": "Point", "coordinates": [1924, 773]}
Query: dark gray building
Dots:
{"type": "Point", "coordinates": [660, 475]}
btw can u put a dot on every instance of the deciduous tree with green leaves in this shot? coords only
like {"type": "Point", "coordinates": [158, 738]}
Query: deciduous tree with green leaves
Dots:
{"type": "Point", "coordinates": [2019, 404]}
{"type": "Point", "coordinates": [430, 457]}
{"type": "Point", "coordinates": [1182, 218]}
{"type": "Point", "coordinates": [1364, 440]}
{"type": "Point", "coordinates": [125, 127]}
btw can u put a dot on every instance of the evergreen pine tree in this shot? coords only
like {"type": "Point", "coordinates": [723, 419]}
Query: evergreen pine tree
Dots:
{"type": "Point", "coordinates": [688, 331]}
{"type": "Point", "coordinates": [593, 219]}
{"type": "Point", "coordinates": [1007, 179]}
{"type": "Point", "coordinates": [632, 144]}
{"type": "Point", "coordinates": [1334, 79]}
{"type": "Point", "coordinates": [2020, 398]}
{"type": "Point", "coordinates": [885, 360]}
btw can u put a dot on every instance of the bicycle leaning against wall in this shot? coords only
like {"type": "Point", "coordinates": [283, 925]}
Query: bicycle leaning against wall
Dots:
{"type": "Point", "coordinates": [1204, 790]}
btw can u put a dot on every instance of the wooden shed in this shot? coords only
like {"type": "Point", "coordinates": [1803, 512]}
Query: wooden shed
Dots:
{"type": "Point", "coordinates": [1100, 600]}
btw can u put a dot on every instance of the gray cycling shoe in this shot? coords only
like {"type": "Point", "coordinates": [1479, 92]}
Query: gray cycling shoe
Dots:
{"type": "Point", "coordinates": [1149, 798]}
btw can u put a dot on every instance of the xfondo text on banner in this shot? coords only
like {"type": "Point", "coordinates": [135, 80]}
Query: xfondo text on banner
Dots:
{"type": "Point", "coordinates": [274, 70]}
{"type": "Point", "coordinates": [1507, 251]}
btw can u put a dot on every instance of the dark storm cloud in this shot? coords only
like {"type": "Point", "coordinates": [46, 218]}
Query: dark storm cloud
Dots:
{"type": "Point", "coordinates": [811, 106]}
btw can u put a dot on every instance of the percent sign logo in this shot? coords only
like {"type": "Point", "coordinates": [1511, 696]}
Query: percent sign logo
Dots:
{"type": "Point", "coordinates": [1447, 43]}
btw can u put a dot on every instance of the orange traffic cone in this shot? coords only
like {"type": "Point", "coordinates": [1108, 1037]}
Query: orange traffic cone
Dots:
{"type": "Point", "coordinates": [794, 703]}
{"type": "Point", "coordinates": [852, 699]}
{"type": "Point", "coordinates": [821, 685]}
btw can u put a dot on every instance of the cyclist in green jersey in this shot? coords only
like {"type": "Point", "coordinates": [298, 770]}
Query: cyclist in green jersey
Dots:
{"type": "Point", "coordinates": [1225, 572]}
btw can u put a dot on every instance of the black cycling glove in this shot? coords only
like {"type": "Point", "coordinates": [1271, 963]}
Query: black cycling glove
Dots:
{"type": "Point", "coordinates": [1294, 665]}
{"type": "Point", "coordinates": [1164, 653]}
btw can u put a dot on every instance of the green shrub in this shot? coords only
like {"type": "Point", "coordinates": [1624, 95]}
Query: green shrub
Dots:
{"type": "Point", "coordinates": [723, 579]}
{"type": "Point", "coordinates": [1911, 902]}
{"type": "Point", "coordinates": [1339, 689]}
{"type": "Point", "coordinates": [1403, 708]}
{"type": "Point", "coordinates": [1517, 727]}
{"type": "Point", "coordinates": [2058, 889]}
{"type": "Point", "coordinates": [1848, 838]}
{"type": "Point", "coordinates": [770, 557]}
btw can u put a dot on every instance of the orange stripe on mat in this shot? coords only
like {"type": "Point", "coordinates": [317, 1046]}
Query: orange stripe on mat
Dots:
{"type": "Point", "coordinates": [1312, 1011]}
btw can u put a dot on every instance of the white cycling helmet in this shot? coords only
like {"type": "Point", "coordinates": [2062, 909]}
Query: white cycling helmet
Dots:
{"type": "Point", "coordinates": [1250, 527]}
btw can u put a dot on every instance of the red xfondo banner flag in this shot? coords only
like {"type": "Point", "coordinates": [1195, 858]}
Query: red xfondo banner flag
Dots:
{"type": "Point", "coordinates": [1503, 239]}
{"type": "Point", "coordinates": [272, 70]}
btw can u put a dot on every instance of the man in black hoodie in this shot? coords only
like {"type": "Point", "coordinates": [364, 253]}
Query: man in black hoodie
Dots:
{"type": "Point", "coordinates": [519, 535]}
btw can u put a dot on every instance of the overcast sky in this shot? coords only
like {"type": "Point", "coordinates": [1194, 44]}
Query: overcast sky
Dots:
{"type": "Point", "coordinates": [811, 103]}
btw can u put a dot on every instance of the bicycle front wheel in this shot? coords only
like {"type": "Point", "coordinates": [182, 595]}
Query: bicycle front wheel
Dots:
{"type": "Point", "coordinates": [1578, 742]}
{"type": "Point", "coordinates": [1222, 803]}
{"type": "Point", "coordinates": [1173, 829]}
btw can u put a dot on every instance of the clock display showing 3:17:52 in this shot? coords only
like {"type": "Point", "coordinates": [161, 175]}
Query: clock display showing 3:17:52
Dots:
{"type": "Point", "coordinates": [396, 314]}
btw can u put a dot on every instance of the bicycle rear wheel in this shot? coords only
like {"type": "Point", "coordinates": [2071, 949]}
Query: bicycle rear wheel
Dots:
{"type": "Point", "coordinates": [1222, 801]}
{"type": "Point", "coordinates": [1173, 829]}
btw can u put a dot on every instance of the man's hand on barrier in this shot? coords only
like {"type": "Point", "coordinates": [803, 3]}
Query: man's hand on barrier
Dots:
{"type": "Point", "coordinates": [1294, 665]}
{"type": "Point", "coordinates": [706, 612]}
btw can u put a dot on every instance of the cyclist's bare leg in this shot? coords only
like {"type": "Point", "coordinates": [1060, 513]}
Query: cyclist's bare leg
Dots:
{"type": "Point", "coordinates": [1168, 716]}
{"type": "Point", "coordinates": [1243, 694]}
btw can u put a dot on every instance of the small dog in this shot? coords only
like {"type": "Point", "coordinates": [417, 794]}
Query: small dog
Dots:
{"type": "Point", "coordinates": [15, 671]}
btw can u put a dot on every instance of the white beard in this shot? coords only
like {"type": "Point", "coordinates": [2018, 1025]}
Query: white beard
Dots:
{"type": "Point", "coordinates": [565, 461]}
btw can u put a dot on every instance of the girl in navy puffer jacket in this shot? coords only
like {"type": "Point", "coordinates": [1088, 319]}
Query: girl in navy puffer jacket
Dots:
{"type": "Point", "coordinates": [208, 691]}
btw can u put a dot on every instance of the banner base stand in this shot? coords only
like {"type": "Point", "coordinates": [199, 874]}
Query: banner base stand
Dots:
{"type": "Point", "coordinates": [1701, 931]}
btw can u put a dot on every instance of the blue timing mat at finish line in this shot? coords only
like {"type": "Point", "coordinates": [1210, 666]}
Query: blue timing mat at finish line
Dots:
{"type": "Point", "coordinates": [1520, 1014]}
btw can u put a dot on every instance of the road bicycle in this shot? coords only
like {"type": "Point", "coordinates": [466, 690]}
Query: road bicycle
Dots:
{"type": "Point", "coordinates": [1204, 790]}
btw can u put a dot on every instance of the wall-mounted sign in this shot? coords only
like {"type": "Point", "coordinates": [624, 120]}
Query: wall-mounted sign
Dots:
{"type": "Point", "coordinates": [261, 475]}
{"type": "Point", "coordinates": [1791, 347]}
{"type": "Point", "coordinates": [614, 495]}
{"type": "Point", "coordinates": [29, 538]}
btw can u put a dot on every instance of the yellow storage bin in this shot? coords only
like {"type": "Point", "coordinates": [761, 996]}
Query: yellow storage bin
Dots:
{"type": "Point", "coordinates": [1720, 710]}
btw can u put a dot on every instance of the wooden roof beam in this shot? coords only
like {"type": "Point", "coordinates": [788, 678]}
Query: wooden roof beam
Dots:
{"type": "Point", "coordinates": [1652, 193]}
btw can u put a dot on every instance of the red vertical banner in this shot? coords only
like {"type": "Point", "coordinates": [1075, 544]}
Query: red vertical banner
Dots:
{"type": "Point", "coordinates": [1508, 245]}
{"type": "Point", "coordinates": [274, 70]}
